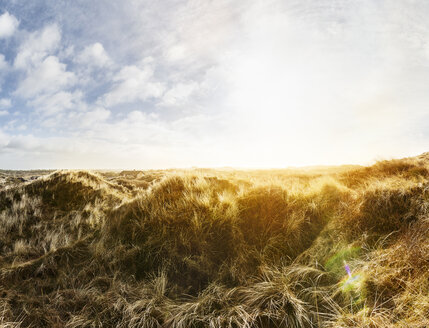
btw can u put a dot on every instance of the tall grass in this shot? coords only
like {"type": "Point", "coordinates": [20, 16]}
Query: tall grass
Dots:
{"type": "Point", "coordinates": [213, 248]}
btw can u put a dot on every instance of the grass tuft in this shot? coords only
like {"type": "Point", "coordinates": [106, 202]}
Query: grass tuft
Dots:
{"type": "Point", "coordinates": [217, 248]}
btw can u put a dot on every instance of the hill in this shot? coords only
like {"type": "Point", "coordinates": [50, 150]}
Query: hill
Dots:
{"type": "Point", "coordinates": [314, 247]}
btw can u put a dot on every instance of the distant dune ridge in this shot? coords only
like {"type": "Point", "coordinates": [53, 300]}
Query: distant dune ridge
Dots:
{"type": "Point", "coordinates": [217, 248]}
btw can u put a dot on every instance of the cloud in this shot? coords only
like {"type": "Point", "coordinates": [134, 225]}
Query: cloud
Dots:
{"type": "Point", "coordinates": [4, 112]}
{"type": "Point", "coordinates": [8, 25]}
{"type": "Point", "coordinates": [49, 104]}
{"type": "Point", "coordinates": [90, 119]}
{"type": "Point", "coordinates": [5, 103]}
{"type": "Point", "coordinates": [4, 69]}
{"type": "Point", "coordinates": [49, 77]}
{"type": "Point", "coordinates": [285, 82]}
{"type": "Point", "coordinates": [47, 82]}
{"type": "Point", "coordinates": [96, 115]}
{"type": "Point", "coordinates": [37, 46]}
{"type": "Point", "coordinates": [94, 55]}
{"type": "Point", "coordinates": [179, 93]}
{"type": "Point", "coordinates": [134, 83]}
{"type": "Point", "coordinates": [4, 139]}
{"type": "Point", "coordinates": [24, 142]}
{"type": "Point", "coordinates": [3, 63]}
{"type": "Point", "coordinates": [199, 29]}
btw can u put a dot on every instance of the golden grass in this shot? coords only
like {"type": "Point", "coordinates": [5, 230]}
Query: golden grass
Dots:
{"type": "Point", "coordinates": [218, 248]}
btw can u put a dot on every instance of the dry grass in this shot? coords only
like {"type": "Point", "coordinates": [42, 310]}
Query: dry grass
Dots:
{"type": "Point", "coordinates": [213, 248]}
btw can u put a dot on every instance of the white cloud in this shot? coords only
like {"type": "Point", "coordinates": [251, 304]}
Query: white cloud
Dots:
{"type": "Point", "coordinates": [134, 83]}
{"type": "Point", "coordinates": [4, 112]}
{"type": "Point", "coordinates": [4, 138]}
{"type": "Point", "coordinates": [94, 55]}
{"type": "Point", "coordinates": [285, 82]}
{"type": "Point", "coordinates": [179, 93]}
{"type": "Point", "coordinates": [47, 78]}
{"type": "Point", "coordinates": [46, 87]}
{"type": "Point", "coordinates": [8, 25]}
{"type": "Point", "coordinates": [37, 46]}
{"type": "Point", "coordinates": [4, 68]}
{"type": "Point", "coordinates": [47, 82]}
{"type": "Point", "coordinates": [88, 121]}
{"type": "Point", "coordinates": [200, 28]}
{"type": "Point", "coordinates": [3, 63]}
{"type": "Point", "coordinates": [24, 142]}
{"type": "Point", "coordinates": [95, 116]}
{"type": "Point", "coordinates": [49, 104]}
{"type": "Point", "coordinates": [5, 103]}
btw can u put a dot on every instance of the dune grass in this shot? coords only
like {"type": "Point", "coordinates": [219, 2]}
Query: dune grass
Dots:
{"type": "Point", "coordinates": [218, 248]}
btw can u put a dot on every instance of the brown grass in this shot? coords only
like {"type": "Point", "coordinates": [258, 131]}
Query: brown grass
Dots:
{"type": "Point", "coordinates": [213, 248]}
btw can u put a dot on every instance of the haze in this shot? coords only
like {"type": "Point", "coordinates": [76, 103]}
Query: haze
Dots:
{"type": "Point", "coordinates": [158, 84]}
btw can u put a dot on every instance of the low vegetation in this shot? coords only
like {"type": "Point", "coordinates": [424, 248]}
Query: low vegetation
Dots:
{"type": "Point", "coordinates": [217, 248]}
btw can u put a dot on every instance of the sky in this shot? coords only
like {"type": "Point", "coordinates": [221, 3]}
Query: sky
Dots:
{"type": "Point", "coordinates": [140, 84]}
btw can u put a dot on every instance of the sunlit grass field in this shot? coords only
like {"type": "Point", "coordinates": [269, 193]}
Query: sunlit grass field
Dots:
{"type": "Point", "coordinates": [321, 247]}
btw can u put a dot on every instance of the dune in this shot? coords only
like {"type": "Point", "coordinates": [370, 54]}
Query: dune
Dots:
{"type": "Point", "coordinates": [315, 247]}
